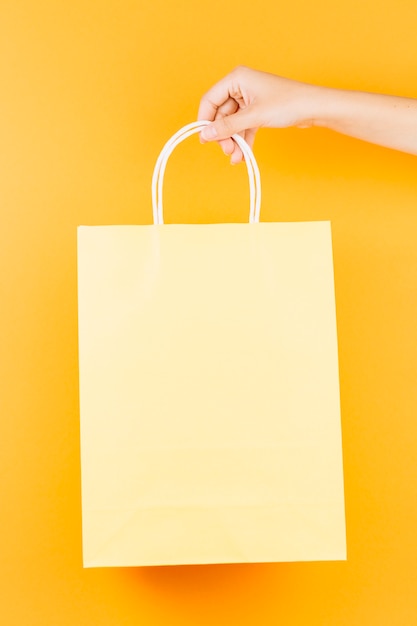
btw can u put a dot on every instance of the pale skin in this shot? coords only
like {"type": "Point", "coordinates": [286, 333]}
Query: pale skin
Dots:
{"type": "Point", "coordinates": [246, 100]}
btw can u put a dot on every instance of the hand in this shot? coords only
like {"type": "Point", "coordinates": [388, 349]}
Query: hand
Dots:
{"type": "Point", "coordinates": [246, 100]}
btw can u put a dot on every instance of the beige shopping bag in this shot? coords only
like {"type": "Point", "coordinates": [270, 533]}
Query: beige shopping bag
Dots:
{"type": "Point", "coordinates": [210, 420]}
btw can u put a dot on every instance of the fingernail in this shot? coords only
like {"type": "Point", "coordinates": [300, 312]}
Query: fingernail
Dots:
{"type": "Point", "coordinates": [209, 132]}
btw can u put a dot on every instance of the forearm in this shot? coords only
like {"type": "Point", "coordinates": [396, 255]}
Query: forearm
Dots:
{"type": "Point", "coordinates": [388, 121]}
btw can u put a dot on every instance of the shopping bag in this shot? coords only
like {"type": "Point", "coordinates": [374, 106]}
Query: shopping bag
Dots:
{"type": "Point", "coordinates": [209, 393]}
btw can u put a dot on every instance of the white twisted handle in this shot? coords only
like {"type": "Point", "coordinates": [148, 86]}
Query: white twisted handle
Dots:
{"type": "Point", "coordinates": [161, 163]}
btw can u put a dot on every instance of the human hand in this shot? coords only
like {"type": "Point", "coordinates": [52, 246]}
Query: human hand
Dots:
{"type": "Point", "coordinates": [246, 100]}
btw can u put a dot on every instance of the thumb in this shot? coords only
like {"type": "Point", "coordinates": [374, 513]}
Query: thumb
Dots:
{"type": "Point", "coordinates": [228, 126]}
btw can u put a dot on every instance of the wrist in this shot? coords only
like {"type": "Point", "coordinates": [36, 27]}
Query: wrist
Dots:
{"type": "Point", "coordinates": [325, 106]}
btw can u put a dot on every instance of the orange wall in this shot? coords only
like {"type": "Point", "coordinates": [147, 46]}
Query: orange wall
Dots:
{"type": "Point", "coordinates": [89, 93]}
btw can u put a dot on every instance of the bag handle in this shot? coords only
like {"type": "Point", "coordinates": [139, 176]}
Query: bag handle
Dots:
{"type": "Point", "coordinates": [184, 133]}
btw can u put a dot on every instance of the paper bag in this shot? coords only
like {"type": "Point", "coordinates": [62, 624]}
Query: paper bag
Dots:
{"type": "Point", "coordinates": [210, 419]}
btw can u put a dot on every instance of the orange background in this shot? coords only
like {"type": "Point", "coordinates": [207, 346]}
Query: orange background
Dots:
{"type": "Point", "coordinates": [90, 91]}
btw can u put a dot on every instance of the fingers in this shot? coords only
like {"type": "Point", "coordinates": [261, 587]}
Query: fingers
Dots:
{"type": "Point", "coordinates": [226, 106]}
{"type": "Point", "coordinates": [216, 97]}
{"type": "Point", "coordinates": [228, 146]}
{"type": "Point", "coordinates": [227, 126]}
{"type": "Point", "coordinates": [237, 154]}
{"type": "Point", "coordinates": [224, 127]}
